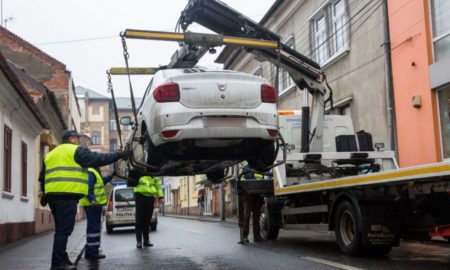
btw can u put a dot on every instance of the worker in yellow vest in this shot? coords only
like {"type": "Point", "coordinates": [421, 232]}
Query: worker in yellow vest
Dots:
{"type": "Point", "coordinates": [93, 204]}
{"type": "Point", "coordinates": [64, 181]}
{"type": "Point", "coordinates": [252, 206]}
{"type": "Point", "coordinates": [146, 192]}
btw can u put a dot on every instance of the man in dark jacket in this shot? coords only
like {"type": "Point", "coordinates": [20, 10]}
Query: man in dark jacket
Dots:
{"type": "Point", "coordinates": [64, 180]}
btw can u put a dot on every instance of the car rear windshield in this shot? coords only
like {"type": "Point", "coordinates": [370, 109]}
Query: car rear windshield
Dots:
{"type": "Point", "coordinates": [124, 195]}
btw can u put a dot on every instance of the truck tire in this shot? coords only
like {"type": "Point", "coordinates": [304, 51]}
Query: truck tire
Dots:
{"type": "Point", "coordinates": [268, 231]}
{"type": "Point", "coordinates": [348, 234]}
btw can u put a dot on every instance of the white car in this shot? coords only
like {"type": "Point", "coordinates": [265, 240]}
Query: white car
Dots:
{"type": "Point", "coordinates": [200, 121]}
{"type": "Point", "coordinates": [120, 210]}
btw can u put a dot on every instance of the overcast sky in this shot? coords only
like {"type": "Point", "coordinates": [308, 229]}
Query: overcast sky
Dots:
{"type": "Point", "coordinates": [84, 34]}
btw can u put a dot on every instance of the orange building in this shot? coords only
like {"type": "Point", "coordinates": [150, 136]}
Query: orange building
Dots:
{"type": "Point", "coordinates": [420, 46]}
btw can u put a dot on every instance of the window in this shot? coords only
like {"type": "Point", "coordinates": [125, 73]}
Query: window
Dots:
{"type": "Point", "coordinates": [329, 28]}
{"type": "Point", "coordinates": [95, 138]}
{"type": "Point", "coordinates": [444, 113]}
{"type": "Point", "coordinates": [112, 125]}
{"type": "Point", "coordinates": [24, 163]}
{"type": "Point", "coordinates": [285, 81]}
{"type": "Point", "coordinates": [7, 151]}
{"type": "Point", "coordinates": [258, 72]}
{"type": "Point", "coordinates": [440, 10]}
{"type": "Point", "coordinates": [113, 144]}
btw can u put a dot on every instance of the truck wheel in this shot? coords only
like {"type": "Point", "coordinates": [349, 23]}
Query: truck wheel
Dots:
{"type": "Point", "coordinates": [268, 231]}
{"type": "Point", "coordinates": [348, 235]}
{"type": "Point", "coordinates": [109, 229]}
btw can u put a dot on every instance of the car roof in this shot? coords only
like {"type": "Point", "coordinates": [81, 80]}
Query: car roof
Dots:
{"type": "Point", "coordinates": [181, 71]}
{"type": "Point", "coordinates": [121, 187]}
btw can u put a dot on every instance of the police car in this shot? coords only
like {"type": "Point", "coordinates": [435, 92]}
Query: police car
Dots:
{"type": "Point", "coordinates": [120, 210]}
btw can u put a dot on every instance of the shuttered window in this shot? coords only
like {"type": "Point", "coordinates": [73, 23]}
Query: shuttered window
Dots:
{"type": "Point", "coordinates": [7, 152]}
{"type": "Point", "coordinates": [24, 163]}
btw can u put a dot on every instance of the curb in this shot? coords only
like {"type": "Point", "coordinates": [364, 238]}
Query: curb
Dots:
{"type": "Point", "coordinates": [201, 218]}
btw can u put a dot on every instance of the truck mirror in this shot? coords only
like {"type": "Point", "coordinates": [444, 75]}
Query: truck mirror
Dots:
{"type": "Point", "coordinates": [126, 121]}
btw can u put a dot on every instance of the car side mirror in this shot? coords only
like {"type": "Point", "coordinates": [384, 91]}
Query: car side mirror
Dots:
{"type": "Point", "coordinates": [126, 121]}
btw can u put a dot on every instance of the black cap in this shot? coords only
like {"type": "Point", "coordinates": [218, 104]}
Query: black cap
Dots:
{"type": "Point", "coordinates": [70, 133]}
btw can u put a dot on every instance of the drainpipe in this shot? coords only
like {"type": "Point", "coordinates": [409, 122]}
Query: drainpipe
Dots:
{"type": "Point", "coordinates": [222, 201]}
{"type": "Point", "coordinates": [389, 80]}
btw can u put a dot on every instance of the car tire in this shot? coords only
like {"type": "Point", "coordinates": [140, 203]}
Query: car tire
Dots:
{"type": "Point", "coordinates": [109, 229]}
{"type": "Point", "coordinates": [265, 158]}
{"type": "Point", "coordinates": [216, 177]}
{"type": "Point", "coordinates": [153, 156]}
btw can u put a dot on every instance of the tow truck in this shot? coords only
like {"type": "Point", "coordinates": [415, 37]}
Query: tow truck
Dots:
{"type": "Point", "coordinates": [325, 179]}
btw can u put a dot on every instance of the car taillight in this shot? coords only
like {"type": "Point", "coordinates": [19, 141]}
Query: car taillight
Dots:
{"type": "Point", "coordinates": [167, 92]}
{"type": "Point", "coordinates": [169, 133]}
{"type": "Point", "coordinates": [110, 205]}
{"type": "Point", "coordinates": [272, 132]}
{"type": "Point", "coordinates": [268, 94]}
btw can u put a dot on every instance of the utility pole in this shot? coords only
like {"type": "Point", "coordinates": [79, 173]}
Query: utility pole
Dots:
{"type": "Point", "coordinates": [163, 211]}
{"type": "Point", "coordinates": [188, 195]}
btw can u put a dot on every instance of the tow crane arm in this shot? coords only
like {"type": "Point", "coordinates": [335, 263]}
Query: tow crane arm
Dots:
{"type": "Point", "coordinates": [306, 73]}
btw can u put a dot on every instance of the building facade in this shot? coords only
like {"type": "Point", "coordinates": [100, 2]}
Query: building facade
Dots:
{"type": "Point", "coordinates": [420, 38]}
{"type": "Point", "coordinates": [21, 123]}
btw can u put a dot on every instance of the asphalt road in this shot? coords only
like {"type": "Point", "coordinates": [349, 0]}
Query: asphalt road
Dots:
{"type": "Point", "coordinates": [192, 244]}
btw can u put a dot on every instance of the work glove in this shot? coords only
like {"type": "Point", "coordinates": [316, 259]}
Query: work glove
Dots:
{"type": "Point", "coordinates": [124, 154]}
{"type": "Point", "coordinates": [43, 200]}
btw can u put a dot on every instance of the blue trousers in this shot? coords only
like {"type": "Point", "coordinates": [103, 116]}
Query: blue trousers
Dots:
{"type": "Point", "coordinates": [93, 230]}
{"type": "Point", "coordinates": [64, 212]}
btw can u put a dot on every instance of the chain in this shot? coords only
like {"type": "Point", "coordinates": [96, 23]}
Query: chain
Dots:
{"type": "Point", "coordinates": [126, 56]}
{"type": "Point", "coordinates": [110, 87]}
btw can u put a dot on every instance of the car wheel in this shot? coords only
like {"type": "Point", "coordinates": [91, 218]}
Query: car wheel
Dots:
{"type": "Point", "coordinates": [109, 229]}
{"type": "Point", "coordinates": [265, 158]}
{"type": "Point", "coordinates": [215, 177]}
{"type": "Point", "coordinates": [151, 155]}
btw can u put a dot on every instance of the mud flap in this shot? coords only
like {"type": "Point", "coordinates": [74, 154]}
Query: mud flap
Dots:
{"type": "Point", "coordinates": [380, 232]}
{"type": "Point", "coordinates": [379, 227]}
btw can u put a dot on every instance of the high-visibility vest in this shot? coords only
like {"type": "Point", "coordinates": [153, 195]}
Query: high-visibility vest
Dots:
{"type": "Point", "coordinates": [63, 174]}
{"type": "Point", "coordinates": [258, 176]}
{"type": "Point", "coordinates": [99, 190]}
{"type": "Point", "coordinates": [149, 186]}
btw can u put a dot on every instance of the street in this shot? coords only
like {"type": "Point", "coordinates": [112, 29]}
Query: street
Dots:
{"type": "Point", "coordinates": [194, 244]}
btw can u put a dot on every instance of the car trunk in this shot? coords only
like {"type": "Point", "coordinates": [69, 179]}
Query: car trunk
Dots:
{"type": "Point", "coordinates": [219, 90]}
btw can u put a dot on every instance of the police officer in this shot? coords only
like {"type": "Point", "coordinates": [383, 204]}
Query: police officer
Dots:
{"type": "Point", "coordinates": [147, 190]}
{"type": "Point", "coordinates": [93, 204]}
{"type": "Point", "coordinates": [252, 206]}
{"type": "Point", "coordinates": [64, 180]}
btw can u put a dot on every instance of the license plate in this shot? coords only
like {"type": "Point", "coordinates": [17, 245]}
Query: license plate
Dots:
{"type": "Point", "coordinates": [125, 214]}
{"type": "Point", "coordinates": [223, 122]}
{"type": "Point", "coordinates": [124, 209]}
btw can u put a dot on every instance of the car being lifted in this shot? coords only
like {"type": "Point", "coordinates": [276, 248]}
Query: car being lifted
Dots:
{"type": "Point", "coordinates": [200, 121]}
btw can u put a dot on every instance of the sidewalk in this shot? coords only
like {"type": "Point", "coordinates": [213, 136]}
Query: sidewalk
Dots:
{"type": "Point", "coordinates": [35, 252]}
{"type": "Point", "coordinates": [233, 220]}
